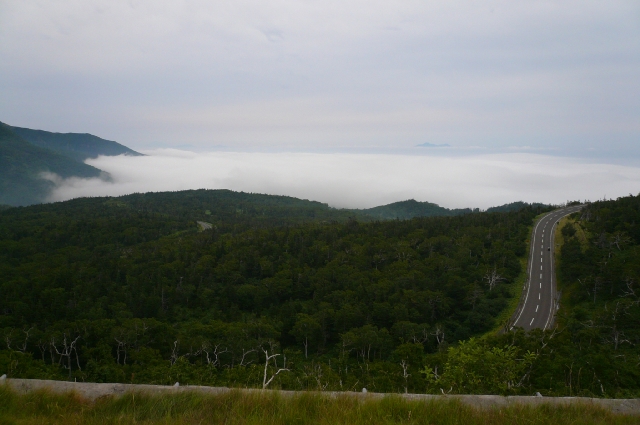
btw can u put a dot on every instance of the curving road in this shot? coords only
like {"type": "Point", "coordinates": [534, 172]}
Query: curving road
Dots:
{"type": "Point", "coordinates": [540, 298]}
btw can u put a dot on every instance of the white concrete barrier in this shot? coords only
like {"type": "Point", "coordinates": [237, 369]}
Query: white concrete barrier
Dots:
{"type": "Point", "coordinates": [93, 391]}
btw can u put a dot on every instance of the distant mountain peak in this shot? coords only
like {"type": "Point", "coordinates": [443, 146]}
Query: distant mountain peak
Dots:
{"type": "Point", "coordinates": [432, 145]}
{"type": "Point", "coordinates": [79, 146]}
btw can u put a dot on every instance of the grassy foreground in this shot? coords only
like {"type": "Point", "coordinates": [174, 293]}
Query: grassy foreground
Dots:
{"type": "Point", "coordinates": [244, 408]}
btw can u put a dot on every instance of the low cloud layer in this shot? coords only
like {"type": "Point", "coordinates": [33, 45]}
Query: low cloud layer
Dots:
{"type": "Point", "coordinates": [362, 181]}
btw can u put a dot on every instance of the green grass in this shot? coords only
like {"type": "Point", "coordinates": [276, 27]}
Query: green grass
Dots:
{"type": "Point", "coordinates": [271, 408]}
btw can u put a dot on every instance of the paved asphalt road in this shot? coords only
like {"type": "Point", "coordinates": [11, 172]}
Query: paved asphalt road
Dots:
{"type": "Point", "coordinates": [539, 304]}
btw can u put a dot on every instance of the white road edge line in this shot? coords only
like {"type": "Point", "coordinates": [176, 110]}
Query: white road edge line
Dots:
{"type": "Point", "coordinates": [530, 272]}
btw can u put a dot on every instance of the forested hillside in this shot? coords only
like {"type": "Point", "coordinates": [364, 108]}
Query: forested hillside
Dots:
{"type": "Point", "coordinates": [31, 161]}
{"type": "Point", "coordinates": [411, 208]}
{"type": "Point", "coordinates": [22, 165]}
{"type": "Point", "coordinates": [128, 289]}
{"type": "Point", "coordinates": [593, 350]}
{"type": "Point", "coordinates": [78, 146]}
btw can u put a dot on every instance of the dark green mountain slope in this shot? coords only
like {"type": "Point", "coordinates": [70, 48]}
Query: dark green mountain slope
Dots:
{"type": "Point", "coordinates": [515, 206]}
{"type": "Point", "coordinates": [225, 209]}
{"type": "Point", "coordinates": [145, 297]}
{"type": "Point", "coordinates": [411, 208]}
{"type": "Point", "coordinates": [21, 165]}
{"type": "Point", "coordinates": [221, 205]}
{"type": "Point", "coordinates": [78, 146]}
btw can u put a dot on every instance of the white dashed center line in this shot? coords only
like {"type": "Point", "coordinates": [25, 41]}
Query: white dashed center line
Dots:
{"type": "Point", "coordinates": [537, 308]}
{"type": "Point", "coordinates": [531, 321]}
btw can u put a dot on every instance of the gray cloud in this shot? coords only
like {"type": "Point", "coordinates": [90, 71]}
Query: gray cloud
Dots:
{"type": "Point", "coordinates": [291, 74]}
{"type": "Point", "coordinates": [251, 74]}
{"type": "Point", "coordinates": [360, 181]}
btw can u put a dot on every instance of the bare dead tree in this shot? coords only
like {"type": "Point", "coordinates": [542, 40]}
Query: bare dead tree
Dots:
{"type": "Point", "coordinates": [439, 334]}
{"type": "Point", "coordinates": [8, 338]}
{"type": "Point", "coordinates": [121, 347]}
{"type": "Point", "coordinates": [267, 359]}
{"type": "Point", "coordinates": [616, 337]}
{"type": "Point", "coordinates": [422, 337]}
{"type": "Point", "coordinates": [619, 238]}
{"type": "Point", "coordinates": [66, 350]}
{"type": "Point", "coordinates": [493, 278]}
{"type": "Point", "coordinates": [630, 292]}
{"type": "Point", "coordinates": [174, 353]}
{"type": "Point", "coordinates": [23, 347]}
{"type": "Point", "coordinates": [42, 346]}
{"type": "Point", "coordinates": [546, 338]}
{"type": "Point", "coordinates": [213, 353]}
{"type": "Point", "coordinates": [245, 353]}
{"type": "Point", "coordinates": [317, 369]}
{"type": "Point", "coordinates": [405, 367]}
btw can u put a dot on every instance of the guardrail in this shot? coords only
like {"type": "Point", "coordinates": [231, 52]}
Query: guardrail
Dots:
{"type": "Point", "coordinates": [92, 391]}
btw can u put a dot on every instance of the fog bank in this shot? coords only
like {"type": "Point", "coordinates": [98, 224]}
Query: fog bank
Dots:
{"type": "Point", "coordinates": [362, 181]}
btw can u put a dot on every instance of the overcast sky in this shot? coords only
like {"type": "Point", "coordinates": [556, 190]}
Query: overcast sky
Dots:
{"type": "Point", "coordinates": [552, 77]}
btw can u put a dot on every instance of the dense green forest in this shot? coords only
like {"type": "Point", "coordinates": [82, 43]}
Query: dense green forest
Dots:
{"type": "Point", "coordinates": [130, 289]}
{"type": "Point", "coordinates": [593, 350]}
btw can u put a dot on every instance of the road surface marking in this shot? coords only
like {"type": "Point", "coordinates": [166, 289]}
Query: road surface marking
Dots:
{"type": "Point", "coordinates": [538, 296]}
{"type": "Point", "coordinates": [537, 308]}
{"type": "Point", "coordinates": [531, 322]}
{"type": "Point", "coordinates": [540, 275]}
{"type": "Point", "coordinates": [526, 297]}
{"type": "Point", "coordinates": [541, 285]}
{"type": "Point", "coordinates": [541, 266]}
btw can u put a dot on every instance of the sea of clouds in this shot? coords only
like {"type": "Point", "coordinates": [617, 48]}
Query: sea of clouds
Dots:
{"type": "Point", "coordinates": [361, 180]}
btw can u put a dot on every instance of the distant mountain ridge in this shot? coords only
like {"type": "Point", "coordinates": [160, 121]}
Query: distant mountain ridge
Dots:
{"type": "Point", "coordinates": [26, 156]}
{"type": "Point", "coordinates": [22, 165]}
{"type": "Point", "coordinates": [79, 146]}
{"type": "Point", "coordinates": [405, 210]}
{"type": "Point", "coordinates": [411, 208]}
{"type": "Point", "coordinates": [514, 206]}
